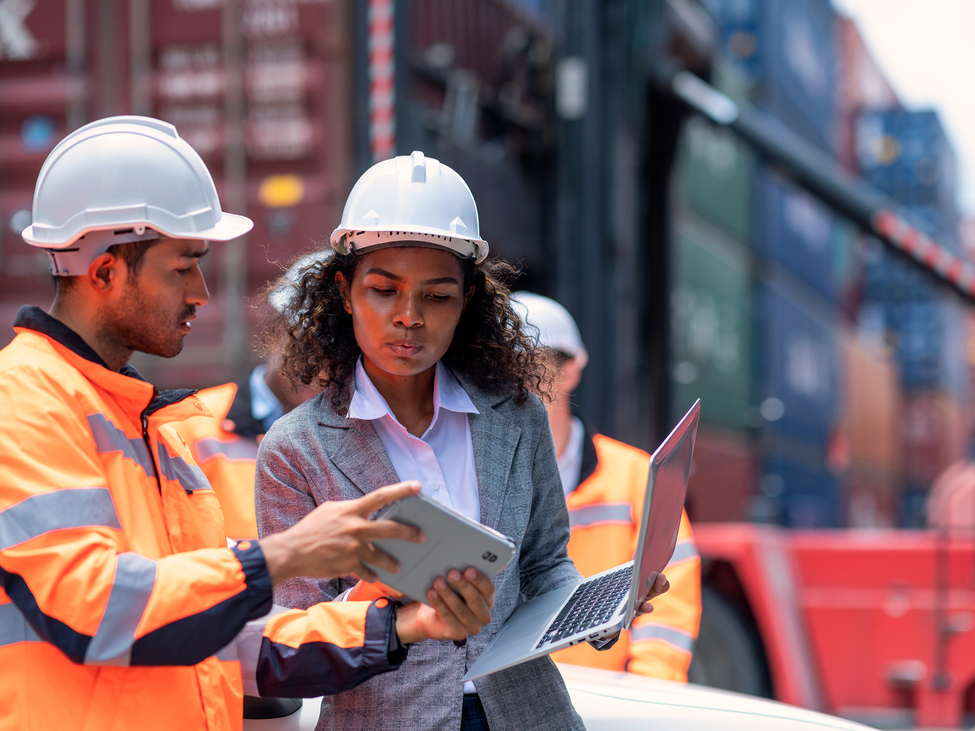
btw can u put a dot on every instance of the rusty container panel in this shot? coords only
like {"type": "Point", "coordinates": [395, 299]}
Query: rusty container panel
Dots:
{"type": "Point", "coordinates": [934, 435]}
{"type": "Point", "coordinates": [872, 405]}
{"type": "Point", "coordinates": [722, 477]}
{"type": "Point", "coordinates": [176, 60]}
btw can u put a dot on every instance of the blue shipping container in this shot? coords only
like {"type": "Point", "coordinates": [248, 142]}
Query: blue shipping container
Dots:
{"type": "Point", "coordinates": [796, 230]}
{"type": "Point", "coordinates": [798, 365]}
{"type": "Point", "coordinates": [806, 497]}
{"type": "Point", "coordinates": [906, 154]}
{"type": "Point", "coordinates": [788, 47]}
{"type": "Point", "coordinates": [929, 338]}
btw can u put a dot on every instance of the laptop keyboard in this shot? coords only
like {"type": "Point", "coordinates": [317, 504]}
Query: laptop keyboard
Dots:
{"type": "Point", "coordinates": [591, 605]}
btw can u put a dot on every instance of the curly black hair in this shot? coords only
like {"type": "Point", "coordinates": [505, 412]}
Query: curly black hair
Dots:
{"type": "Point", "coordinates": [491, 345]}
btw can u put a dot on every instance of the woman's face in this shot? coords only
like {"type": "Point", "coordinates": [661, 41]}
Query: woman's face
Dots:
{"type": "Point", "coordinates": [405, 304]}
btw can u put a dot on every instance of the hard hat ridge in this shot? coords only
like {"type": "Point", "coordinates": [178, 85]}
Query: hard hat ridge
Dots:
{"type": "Point", "coordinates": [118, 175]}
{"type": "Point", "coordinates": [411, 200]}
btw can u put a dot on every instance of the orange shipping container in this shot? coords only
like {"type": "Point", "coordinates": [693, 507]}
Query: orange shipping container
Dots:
{"type": "Point", "coordinates": [872, 403]}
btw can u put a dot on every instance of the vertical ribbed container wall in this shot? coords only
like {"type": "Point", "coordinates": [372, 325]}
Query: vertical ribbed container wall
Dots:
{"type": "Point", "coordinates": [711, 326]}
{"type": "Point", "coordinates": [798, 363]}
{"type": "Point", "coordinates": [925, 324]}
{"type": "Point", "coordinates": [715, 168]}
{"type": "Point", "coordinates": [789, 49]}
{"type": "Point", "coordinates": [796, 230]}
{"type": "Point", "coordinates": [907, 155]}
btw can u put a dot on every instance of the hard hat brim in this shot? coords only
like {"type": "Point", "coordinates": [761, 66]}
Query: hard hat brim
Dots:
{"type": "Point", "coordinates": [229, 227]}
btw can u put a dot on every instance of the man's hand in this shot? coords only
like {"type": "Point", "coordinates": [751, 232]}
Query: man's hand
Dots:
{"type": "Point", "coordinates": [453, 615]}
{"type": "Point", "coordinates": [657, 584]}
{"type": "Point", "coordinates": [336, 537]}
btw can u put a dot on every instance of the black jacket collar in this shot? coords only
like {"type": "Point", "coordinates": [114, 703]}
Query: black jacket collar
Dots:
{"type": "Point", "coordinates": [34, 318]}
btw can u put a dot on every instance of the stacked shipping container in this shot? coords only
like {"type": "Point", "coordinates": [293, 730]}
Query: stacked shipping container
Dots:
{"type": "Point", "coordinates": [259, 89]}
{"type": "Point", "coordinates": [906, 154]}
{"type": "Point", "coordinates": [711, 310]}
{"type": "Point", "coordinates": [849, 423]}
{"type": "Point", "coordinates": [785, 52]}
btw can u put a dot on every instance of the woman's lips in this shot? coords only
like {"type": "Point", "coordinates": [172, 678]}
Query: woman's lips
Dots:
{"type": "Point", "coordinates": [405, 347]}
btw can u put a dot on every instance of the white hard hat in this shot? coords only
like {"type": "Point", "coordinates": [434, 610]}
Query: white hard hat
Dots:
{"type": "Point", "coordinates": [280, 297]}
{"type": "Point", "coordinates": [123, 179]}
{"type": "Point", "coordinates": [556, 328]}
{"type": "Point", "coordinates": [411, 200]}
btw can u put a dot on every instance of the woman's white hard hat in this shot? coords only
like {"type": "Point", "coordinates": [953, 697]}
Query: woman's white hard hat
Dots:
{"type": "Point", "coordinates": [556, 328]}
{"type": "Point", "coordinates": [123, 179]}
{"type": "Point", "coordinates": [411, 201]}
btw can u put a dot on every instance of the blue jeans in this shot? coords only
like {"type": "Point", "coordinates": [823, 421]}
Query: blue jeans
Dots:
{"type": "Point", "coordinates": [472, 717]}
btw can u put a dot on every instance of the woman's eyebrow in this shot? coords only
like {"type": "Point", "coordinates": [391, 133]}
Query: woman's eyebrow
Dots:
{"type": "Point", "coordinates": [384, 273]}
{"type": "Point", "coordinates": [390, 275]}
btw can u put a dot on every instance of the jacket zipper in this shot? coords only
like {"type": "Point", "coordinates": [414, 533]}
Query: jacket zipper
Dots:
{"type": "Point", "coordinates": [152, 455]}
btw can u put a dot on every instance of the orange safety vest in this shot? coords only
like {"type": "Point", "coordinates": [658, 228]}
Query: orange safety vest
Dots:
{"type": "Point", "coordinates": [604, 513]}
{"type": "Point", "coordinates": [227, 459]}
{"type": "Point", "coordinates": [121, 606]}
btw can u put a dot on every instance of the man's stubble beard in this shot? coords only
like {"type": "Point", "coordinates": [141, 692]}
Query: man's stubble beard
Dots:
{"type": "Point", "coordinates": [136, 326]}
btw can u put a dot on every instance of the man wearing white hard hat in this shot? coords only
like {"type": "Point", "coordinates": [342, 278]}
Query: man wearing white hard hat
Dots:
{"type": "Point", "coordinates": [121, 605]}
{"type": "Point", "coordinates": [225, 445]}
{"type": "Point", "coordinates": [604, 482]}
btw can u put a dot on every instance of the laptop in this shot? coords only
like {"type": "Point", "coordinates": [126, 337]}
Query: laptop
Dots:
{"type": "Point", "coordinates": [602, 605]}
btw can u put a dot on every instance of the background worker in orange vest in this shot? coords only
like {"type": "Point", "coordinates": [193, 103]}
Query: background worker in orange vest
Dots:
{"type": "Point", "coordinates": [605, 482]}
{"type": "Point", "coordinates": [121, 604]}
{"type": "Point", "coordinates": [225, 445]}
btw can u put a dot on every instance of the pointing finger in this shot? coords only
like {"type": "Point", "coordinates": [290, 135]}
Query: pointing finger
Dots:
{"type": "Point", "coordinates": [385, 495]}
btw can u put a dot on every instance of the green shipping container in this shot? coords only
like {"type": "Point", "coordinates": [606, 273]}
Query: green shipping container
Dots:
{"type": "Point", "coordinates": [711, 322]}
{"type": "Point", "coordinates": [716, 170]}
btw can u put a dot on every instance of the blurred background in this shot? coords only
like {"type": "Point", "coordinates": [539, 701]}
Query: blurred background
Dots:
{"type": "Point", "coordinates": [738, 259]}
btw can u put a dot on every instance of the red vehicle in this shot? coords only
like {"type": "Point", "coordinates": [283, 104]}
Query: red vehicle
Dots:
{"type": "Point", "coordinates": [872, 625]}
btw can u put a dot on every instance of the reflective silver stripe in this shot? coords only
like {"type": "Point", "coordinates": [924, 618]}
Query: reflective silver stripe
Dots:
{"type": "Point", "coordinates": [75, 507]}
{"type": "Point", "coordinates": [600, 513]}
{"type": "Point", "coordinates": [246, 649]}
{"type": "Point", "coordinates": [135, 576]}
{"type": "Point", "coordinates": [188, 475]}
{"type": "Point", "coordinates": [675, 637]}
{"type": "Point", "coordinates": [14, 627]}
{"type": "Point", "coordinates": [109, 438]}
{"type": "Point", "coordinates": [238, 449]}
{"type": "Point", "coordinates": [684, 551]}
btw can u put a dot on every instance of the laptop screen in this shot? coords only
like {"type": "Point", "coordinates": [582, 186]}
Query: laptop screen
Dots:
{"type": "Point", "coordinates": [663, 505]}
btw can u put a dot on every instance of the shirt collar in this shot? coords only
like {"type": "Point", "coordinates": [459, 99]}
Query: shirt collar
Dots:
{"type": "Point", "coordinates": [368, 403]}
{"type": "Point", "coordinates": [263, 401]}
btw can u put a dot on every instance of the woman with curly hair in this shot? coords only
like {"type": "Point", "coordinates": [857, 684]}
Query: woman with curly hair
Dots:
{"type": "Point", "coordinates": [428, 374]}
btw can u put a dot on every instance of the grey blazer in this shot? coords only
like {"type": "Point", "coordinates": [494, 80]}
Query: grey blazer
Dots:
{"type": "Point", "coordinates": [314, 454]}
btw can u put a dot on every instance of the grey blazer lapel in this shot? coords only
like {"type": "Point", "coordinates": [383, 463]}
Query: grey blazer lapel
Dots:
{"type": "Point", "coordinates": [360, 455]}
{"type": "Point", "coordinates": [495, 439]}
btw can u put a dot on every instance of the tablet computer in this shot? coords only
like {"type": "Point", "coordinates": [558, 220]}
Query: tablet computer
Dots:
{"type": "Point", "coordinates": [453, 541]}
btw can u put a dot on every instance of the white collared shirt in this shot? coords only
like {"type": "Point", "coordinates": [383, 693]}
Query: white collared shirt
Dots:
{"type": "Point", "coordinates": [570, 461]}
{"type": "Point", "coordinates": [265, 406]}
{"type": "Point", "coordinates": [442, 460]}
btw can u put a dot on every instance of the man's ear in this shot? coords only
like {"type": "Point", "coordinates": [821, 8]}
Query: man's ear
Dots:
{"type": "Point", "coordinates": [344, 289]}
{"type": "Point", "coordinates": [104, 272]}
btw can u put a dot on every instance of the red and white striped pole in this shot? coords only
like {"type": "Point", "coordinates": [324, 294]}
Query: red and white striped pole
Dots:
{"type": "Point", "coordinates": [382, 80]}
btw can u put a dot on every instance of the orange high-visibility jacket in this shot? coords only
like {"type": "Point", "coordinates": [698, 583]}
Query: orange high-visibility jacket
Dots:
{"type": "Point", "coordinates": [604, 512]}
{"type": "Point", "coordinates": [121, 606]}
{"type": "Point", "coordinates": [227, 459]}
